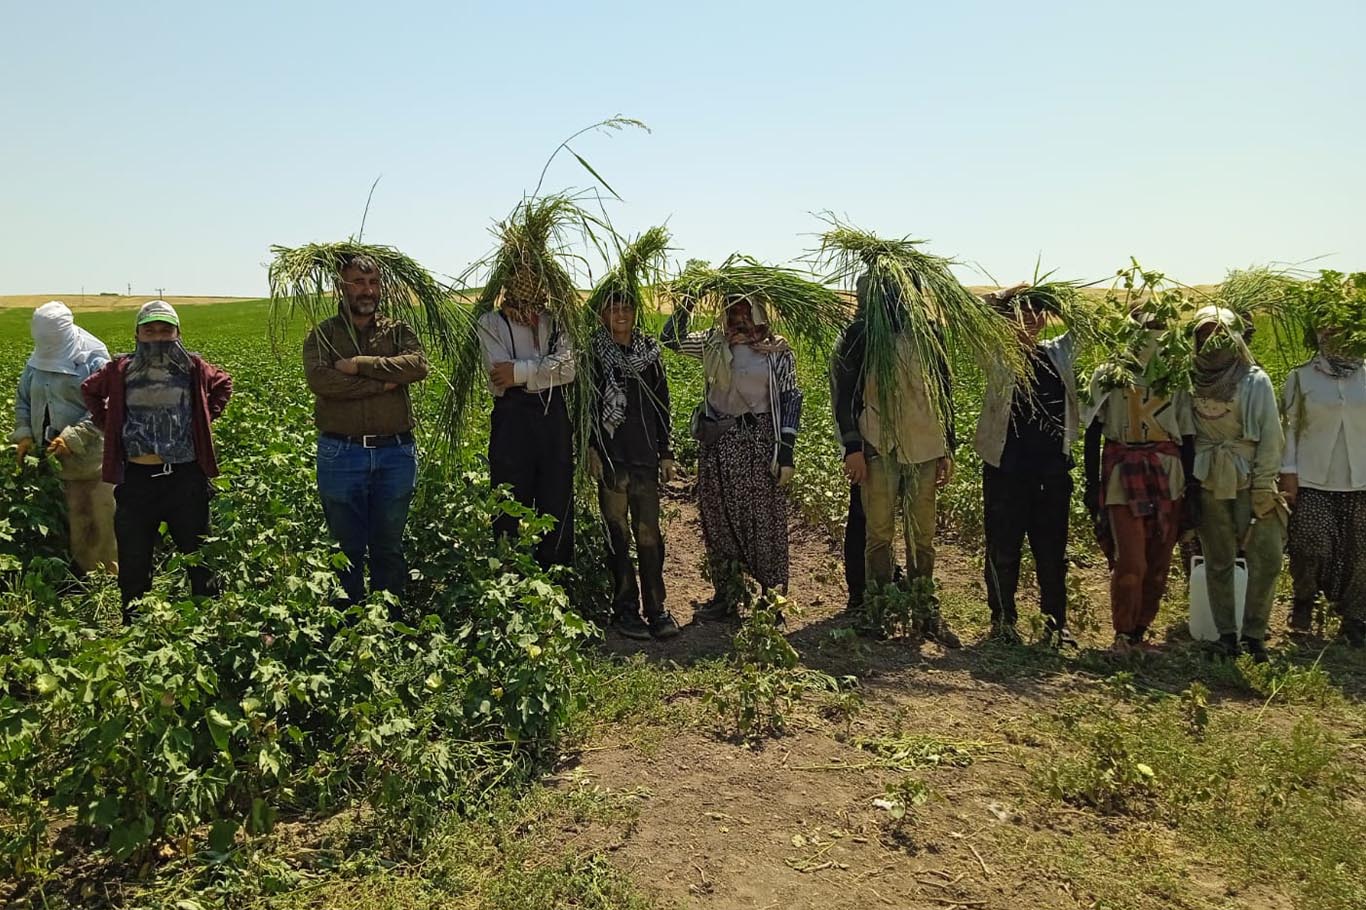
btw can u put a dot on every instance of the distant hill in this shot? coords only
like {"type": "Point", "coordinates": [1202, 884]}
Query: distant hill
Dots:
{"type": "Point", "coordinates": [104, 301]}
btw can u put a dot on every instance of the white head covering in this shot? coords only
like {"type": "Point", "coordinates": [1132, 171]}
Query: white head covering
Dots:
{"type": "Point", "coordinates": [59, 345]}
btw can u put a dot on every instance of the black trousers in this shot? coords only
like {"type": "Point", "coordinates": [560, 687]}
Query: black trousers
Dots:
{"type": "Point", "coordinates": [855, 538]}
{"type": "Point", "coordinates": [1016, 506]}
{"type": "Point", "coordinates": [629, 499]}
{"type": "Point", "coordinates": [150, 494]}
{"type": "Point", "coordinates": [531, 449]}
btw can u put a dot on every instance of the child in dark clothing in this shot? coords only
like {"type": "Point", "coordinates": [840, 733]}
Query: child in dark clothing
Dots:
{"type": "Point", "coordinates": [630, 456]}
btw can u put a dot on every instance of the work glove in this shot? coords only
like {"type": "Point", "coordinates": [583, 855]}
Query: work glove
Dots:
{"type": "Point", "coordinates": [943, 472]}
{"type": "Point", "coordinates": [594, 464]}
{"type": "Point", "coordinates": [667, 470]}
{"type": "Point", "coordinates": [785, 473]}
{"type": "Point", "coordinates": [1266, 503]}
{"type": "Point", "coordinates": [25, 446]}
{"type": "Point", "coordinates": [1290, 488]}
{"type": "Point", "coordinates": [59, 448]}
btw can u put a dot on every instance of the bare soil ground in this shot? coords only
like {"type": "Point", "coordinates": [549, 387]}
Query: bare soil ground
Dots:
{"type": "Point", "coordinates": [791, 822]}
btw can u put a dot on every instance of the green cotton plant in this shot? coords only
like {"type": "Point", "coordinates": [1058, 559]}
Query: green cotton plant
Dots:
{"type": "Point", "coordinates": [32, 521]}
{"type": "Point", "coordinates": [1120, 336]}
{"type": "Point", "coordinates": [204, 723]}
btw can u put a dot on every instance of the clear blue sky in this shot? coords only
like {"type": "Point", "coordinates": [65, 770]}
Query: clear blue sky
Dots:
{"type": "Point", "coordinates": [169, 144]}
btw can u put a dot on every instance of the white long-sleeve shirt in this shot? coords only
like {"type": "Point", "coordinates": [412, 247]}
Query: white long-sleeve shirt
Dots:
{"type": "Point", "coordinates": [540, 360]}
{"type": "Point", "coordinates": [1325, 429]}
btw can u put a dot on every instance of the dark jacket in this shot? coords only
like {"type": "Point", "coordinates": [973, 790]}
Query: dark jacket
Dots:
{"type": "Point", "coordinates": [104, 397]}
{"type": "Point", "coordinates": [385, 351]}
{"type": "Point", "coordinates": [849, 379]}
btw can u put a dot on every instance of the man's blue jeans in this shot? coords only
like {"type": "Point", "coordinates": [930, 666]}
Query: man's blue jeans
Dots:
{"type": "Point", "coordinates": [365, 495]}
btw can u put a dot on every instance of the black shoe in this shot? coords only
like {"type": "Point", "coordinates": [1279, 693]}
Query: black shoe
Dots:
{"type": "Point", "coordinates": [1302, 617]}
{"type": "Point", "coordinates": [937, 630]}
{"type": "Point", "coordinates": [664, 626]}
{"type": "Point", "coordinates": [1227, 647]}
{"type": "Point", "coordinates": [630, 625]}
{"type": "Point", "coordinates": [716, 611]}
{"type": "Point", "coordinates": [1005, 632]}
{"type": "Point", "coordinates": [1059, 637]}
{"type": "Point", "coordinates": [1257, 648]}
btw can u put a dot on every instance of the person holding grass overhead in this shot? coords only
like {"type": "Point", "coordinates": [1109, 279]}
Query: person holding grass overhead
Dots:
{"type": "Point", "coordinates": [1134, 486]}
{"type": "Point", "coordinates": [1024, 437]}
{"type": "Point", "coordinates": [155, 407]}
{"type": "Point", "coordinates": [630, 453]}
{"type": "Point", "coordinates": [1323, 473]}
{"type": "Point", "coordinates": [529, 358]}
{"type": "Point", "coordinates": [897, 444]}
{"type": "Point", "coordinates": [360, 365]}
{"type": "Point", "coordinates": [747, 424]}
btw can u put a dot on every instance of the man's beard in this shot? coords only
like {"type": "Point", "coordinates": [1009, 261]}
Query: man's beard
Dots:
{"type": "Point", "coordinates": [362, 307]}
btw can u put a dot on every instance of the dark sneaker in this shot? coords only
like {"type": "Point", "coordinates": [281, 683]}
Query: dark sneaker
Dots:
{"type": "Point", "coordinates": [716, 611]}
{"type": "Point", "coordinates": [1060, 638]}
{"type": "Point", "coordinates": [663, 626]}
{"type": "Point", "coordinates": [1005, 632]}
{"type": "Point", "coordinates": [1227, 647]}
{"type": "Point", "coordinates": [937, 630]}
{"type": "Point", "coordinates": [1257, 648]}
{"type": "Point", "coordinates": [629, 625]}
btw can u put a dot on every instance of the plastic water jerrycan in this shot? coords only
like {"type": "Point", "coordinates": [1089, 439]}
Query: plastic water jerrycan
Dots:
{"type": "Point", "coordinates": [1202, 617]}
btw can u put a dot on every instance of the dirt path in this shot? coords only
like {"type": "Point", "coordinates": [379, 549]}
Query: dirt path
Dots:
{"type": "Point", "coordinates": [792, 822]}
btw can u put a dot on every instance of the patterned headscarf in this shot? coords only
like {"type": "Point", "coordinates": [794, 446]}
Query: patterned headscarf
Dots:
{"type": "Point", "coordinates": [616, 364]}
{"type": "Point", "coordinates": [1219, 369]}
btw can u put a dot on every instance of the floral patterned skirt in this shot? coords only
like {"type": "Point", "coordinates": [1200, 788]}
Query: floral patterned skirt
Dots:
{"type": "Point", "coordinates": [744, 512]}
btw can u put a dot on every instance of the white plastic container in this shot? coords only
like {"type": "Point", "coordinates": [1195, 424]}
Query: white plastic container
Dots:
{"type": "Point", "coordinates": [1202, 617]}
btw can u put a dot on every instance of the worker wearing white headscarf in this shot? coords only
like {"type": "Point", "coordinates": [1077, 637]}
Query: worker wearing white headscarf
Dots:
{"type": "Point", "coordinates": [50, 413]}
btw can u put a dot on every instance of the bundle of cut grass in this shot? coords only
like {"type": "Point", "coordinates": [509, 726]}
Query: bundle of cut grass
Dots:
{"type": "Point", "coordinates": [308, 279]}
{"type": "Point", "coordinates": [637, 272]}
{"type": "Point", "coordinates": [914, 312]}
{"type": "Point", "coordinates": [531, 267]}
{"type": "Point", "coordinates": [796, 306]}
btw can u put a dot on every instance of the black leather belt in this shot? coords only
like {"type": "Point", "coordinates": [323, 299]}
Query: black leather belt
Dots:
{"type": "Point", "coordinates": [381, 441]}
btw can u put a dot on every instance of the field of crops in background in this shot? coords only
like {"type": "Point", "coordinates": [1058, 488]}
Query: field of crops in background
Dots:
{"type": "Point", "coordinates": [263, 750]}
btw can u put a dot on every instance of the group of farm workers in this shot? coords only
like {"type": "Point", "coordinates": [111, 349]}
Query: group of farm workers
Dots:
{"type": "Point", "coordinates": [1219, 456]}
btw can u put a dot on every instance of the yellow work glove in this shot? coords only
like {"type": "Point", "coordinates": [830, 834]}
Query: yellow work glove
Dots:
{"type": "Point", "coordinates": [59, 448]}
{"type": "Point", "coordinates": [24, 445]}
{"type": "Point", "coordinates": [667, 470]}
